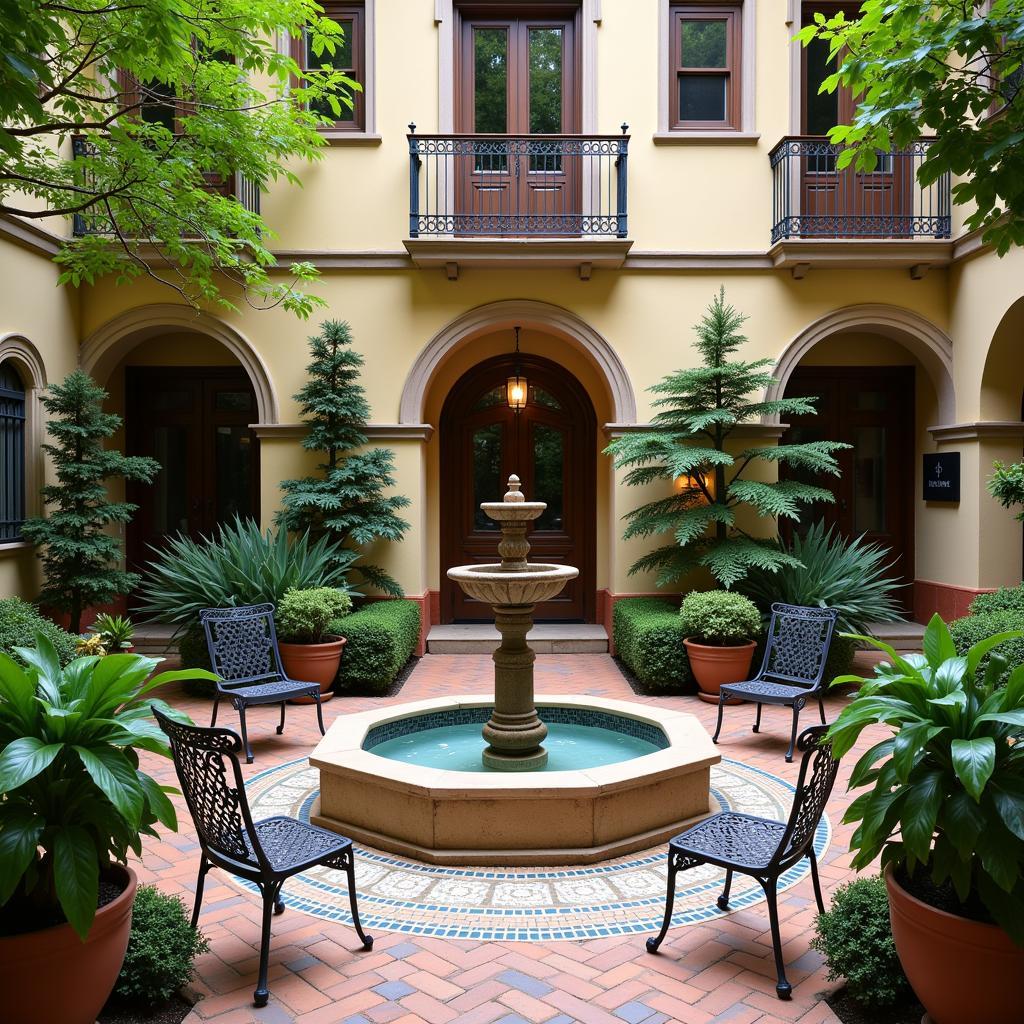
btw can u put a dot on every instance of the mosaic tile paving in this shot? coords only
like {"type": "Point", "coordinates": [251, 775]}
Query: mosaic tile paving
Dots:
{"type": "Point", "coordinates": [618, 897]}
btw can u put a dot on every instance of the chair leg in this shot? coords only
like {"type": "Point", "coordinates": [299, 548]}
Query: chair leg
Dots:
{"type": "Point", "coordinates": [319, 713]}
{"type": "Point", "coordinates": [245, 735]}
{"type": "Point", "coordinates": [279, 901]}
{"type": "Point", "coordinates": [280, 728]}
{"type": "Point", "coordinates": [792, 738]}
{"type": "Point", "coordinates": [262, 993]}
{"type": "Point", "coordinates": [670, 899]}
{"type": "Point", "coordinates": [723, 900]}
{"type": "Point", "coordinates": [216, 705]}
{"type": "Point", "coordinates": [350, 871]}
{"type": "Point", "coordinates": [204, 866]}
{"type": "Point", "coordinates": [783, 989]}
{"type": "Point", "coordinates": [821, 708]}
{"type": "Point", "coordinates": [757, 721]}
{"type": "Point", "coordinates": [817, 882]}
{"type": "Point", "coordinates": [721, 710]}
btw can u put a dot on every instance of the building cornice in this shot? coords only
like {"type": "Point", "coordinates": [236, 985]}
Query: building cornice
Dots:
{"type": "Point", "coordinates": [979, 430]}
{"type": "Point", "coordinates": [30, 236]}
{"type": "Point", "coordinates": [374, 431]}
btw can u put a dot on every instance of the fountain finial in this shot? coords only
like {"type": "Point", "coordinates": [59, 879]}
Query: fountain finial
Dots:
{"type": "Point", "coordinates": [514, 493]}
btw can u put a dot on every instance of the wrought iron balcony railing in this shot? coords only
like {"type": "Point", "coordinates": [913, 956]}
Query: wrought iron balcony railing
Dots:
{"type": "Point", "coordinates": [813, 198]}
{"type": "Point", "coordinates": [245, 191]}
{"type": "Point", "coordinates": [508, 186]}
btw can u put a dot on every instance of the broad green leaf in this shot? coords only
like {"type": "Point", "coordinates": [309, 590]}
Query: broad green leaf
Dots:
{"type": "Point", "coordinates": [1008, 797]}
{"type": "Point", "coordinates": [16, 688]}
{"type": "Point", "coordinates": [117, 778]}
{"type": "Point", "coordinates": [20, 831]}
{"type": "Point", "coordinates": [76, 872]}
{"type": "Point", "coordinates": [909, 743]}
{"type": "Point", "coordinates": [1006, 717]}
{"type": "Point", "coordinates": [24, 759]}
{"type": "Point", "coordinates": [158, 802]}
{"type": "Point", "coordinates": [962, 819]}
{"type": "Point", "coordinates": [937, 644]}
{"type": "Point", "coordinates": [980, 649]}
{"type": "Point", "coordinates": [919, 812]}
{"type": "Point", "coordinates": [973, 762]}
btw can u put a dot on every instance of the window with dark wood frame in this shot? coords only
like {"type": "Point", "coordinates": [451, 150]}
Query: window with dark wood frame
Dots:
{"type": "Point", "coordinates": [704, 91]}
{"type": "Point", "coordinates": [349, 56]}
{"type": "Point", "coordinates": [12, 454]}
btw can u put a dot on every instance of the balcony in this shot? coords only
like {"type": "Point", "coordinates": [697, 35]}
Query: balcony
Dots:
{"type": "Point", "coordinates": [515, 200]}
{"type": "Point", "coordinates": [238, 186]}
{"type": "Point", "coordinates": [824, 215]}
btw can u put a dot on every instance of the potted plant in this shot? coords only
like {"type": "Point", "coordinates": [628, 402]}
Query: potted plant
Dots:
{"type": "Point", "coordinates": [944, 807]}
{"type": "Point", "coordinates": [115, 631]}
{"type": "Point", "coordinates": [721, 629]}
{"type": "Point", "coordinates": [308, 651]}
{"type": "Point", "coordinates": [75, 802]}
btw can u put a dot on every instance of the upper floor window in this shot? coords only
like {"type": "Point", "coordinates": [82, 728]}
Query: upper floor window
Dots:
{"type": "Point", "coordinates": [12, 453]}
{"type": "Point", "coordinates": [349, 57]}
{"type": "Point", "coordinates": [704, 63]}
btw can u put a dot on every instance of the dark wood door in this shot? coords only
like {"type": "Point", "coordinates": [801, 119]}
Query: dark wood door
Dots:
{"type": "Point", "coordinates": [845, 202]}
{"type": "Point", "coordinates": [195, 423]}
{"type": "Point", "coordinates": [516, 79]}
{"type": "Point", "coordinates": [550, 445]}
{"type": "Point", "coordinates": [872, 410]}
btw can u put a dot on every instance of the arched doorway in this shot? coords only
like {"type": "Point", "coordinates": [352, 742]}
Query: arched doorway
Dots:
{"type": "Point", "coordinates": [550, 444]}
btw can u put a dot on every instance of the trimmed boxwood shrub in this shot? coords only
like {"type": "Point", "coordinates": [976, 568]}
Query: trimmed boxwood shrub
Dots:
{"type": "Point", "coordinates": [381, 638]}
{"type": "Point", "coordinates": [648, 636]}
{"type": "Point", "coordinates": [1005, 599]}
{"type": "Point", "coordinates": [973, 628]}
{"type": "Point", "coordinates": [19, 623]}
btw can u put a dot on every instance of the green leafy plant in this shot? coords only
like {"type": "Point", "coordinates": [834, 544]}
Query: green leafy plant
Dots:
{"type": "Point", "coordinates": [1005, 599]}
{"type": "Point", "coordinates": [20, 623]}
{"type": "Point", "coordinates": [719, 618]}
{"type": "Point", "coordinates": [80, 555]}
{"type": "Point", "coordinates": [75, 798]}
{"type": "Point", "coordinates": [648, 636]}
{"type": "Point", "coordinates": [347, 501]}
{"type": "Point", "coordinates": [973, 629]}
{"type": "Point", "coordinates": [1006, 485]}
{"type": "Point", "coordinates": [686, 447]}
{"type": "Point", "coordinates": [855, 937]}
{"type": "Point", "coordinates": [162, 949]}
{"type": "Point", "coordinates": [305, 616]}
{"type": "Point", "coordinates": [116, 631]}
{"type": "Point", "coordinates": [945, 792]}
{"type": "Point", "coordinates": [381, 638]}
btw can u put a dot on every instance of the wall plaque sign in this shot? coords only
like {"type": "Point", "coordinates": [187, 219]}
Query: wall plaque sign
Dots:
{"type": "Point", "coordinates": [942, 476]}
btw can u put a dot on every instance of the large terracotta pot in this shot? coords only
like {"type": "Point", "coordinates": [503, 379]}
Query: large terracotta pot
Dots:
{"type": "Point", "coordinates": [713, 666]}
{"type": "Point", "coordinates": [52, 977]}
{"type": "Point", "coordinates": [963, 971]}
{"type": "Point", "coordinates": [313, 663]}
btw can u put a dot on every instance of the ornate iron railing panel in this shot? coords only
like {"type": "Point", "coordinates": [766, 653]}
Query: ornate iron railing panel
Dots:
{"type": "Point", "coordinates": [12, 455]}
{"type": "Point", "coordinates": [97, 223]}
{"type": "Point", "coordinates": [492, 186]}
{"type": "Point", "coordinates": [813, 198]}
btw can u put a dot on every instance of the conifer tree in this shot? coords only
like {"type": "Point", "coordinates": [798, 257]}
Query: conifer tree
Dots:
{"type": "Point", "coordinates": [699, 408]}
{"type": "Point", "coordinates": [347, 500]}
{"type": "Point", "coordinates": [79, 557]}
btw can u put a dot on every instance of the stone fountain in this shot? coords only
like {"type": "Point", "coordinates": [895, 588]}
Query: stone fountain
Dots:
{"type": "Point", "coordinates": [514, 733]}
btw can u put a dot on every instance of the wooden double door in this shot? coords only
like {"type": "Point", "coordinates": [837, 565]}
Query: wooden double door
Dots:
{"type": "Point", "coordinates": [195, 422]}
{"type": "Point", "coordinates": [872, 410]}
{"type": "Point", "coordinates": [550, 446]}
{"type": "Point", "coordinates": [517, 79]}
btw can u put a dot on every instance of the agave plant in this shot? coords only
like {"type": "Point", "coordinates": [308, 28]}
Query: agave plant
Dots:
{"type": "Point", "coordinates": [239, 565]}
{"type": "Point", "coordinates": [851, 576]}
{"type": "Point", "coordinates": [115, 631]}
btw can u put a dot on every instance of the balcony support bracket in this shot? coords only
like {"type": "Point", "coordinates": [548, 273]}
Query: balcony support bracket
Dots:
{"type": "Point", "coordinates": [586, 269]}
{"type": "Point", "coordinates": [919, 270]}
{"type": "Point", "coordinates": [452, 270]}
{"type": "Point", "coordinates": [800, 271]}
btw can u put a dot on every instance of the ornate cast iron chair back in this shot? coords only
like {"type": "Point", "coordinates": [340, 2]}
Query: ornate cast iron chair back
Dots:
{"type": "Point", "coordinates": [818, 769]}
{"type": "Point", "coordinates": [798, 645]}
{"type": "Point", "coordinates": [242, 643]}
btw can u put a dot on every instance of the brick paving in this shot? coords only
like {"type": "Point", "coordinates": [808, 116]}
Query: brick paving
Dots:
{"type": "Point", "coordinates": [721, 972]}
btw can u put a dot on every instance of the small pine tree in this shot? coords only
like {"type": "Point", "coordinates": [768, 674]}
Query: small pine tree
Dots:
{"type": "Point", "coordinates": [347, 500]}
{"type": "Point", "coordinates": [80, 557]}
{"type": "Point", "coordinates": [699, 409]}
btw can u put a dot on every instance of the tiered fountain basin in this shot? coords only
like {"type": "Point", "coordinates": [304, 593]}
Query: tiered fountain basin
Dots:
{"type": "Point", "coordinates": [659, 785]}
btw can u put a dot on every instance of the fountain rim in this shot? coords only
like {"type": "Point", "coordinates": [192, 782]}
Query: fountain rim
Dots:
{"type": "Point", "coordinates": [538, 572]}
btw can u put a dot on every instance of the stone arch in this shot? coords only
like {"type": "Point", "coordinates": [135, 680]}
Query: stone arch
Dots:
{"type": "Point", "coordinates": [102, 350]}
{"type": "Point", "coordinates": [16, 348]}
{"type": "Point", "coordinates": [19, 350]}
{"type": "Point", "coordinates": [931, 345]}
{"type": "Point", "coordinates": [1002, 376]}
{"type": "Point", "coordinates": [528, 313]}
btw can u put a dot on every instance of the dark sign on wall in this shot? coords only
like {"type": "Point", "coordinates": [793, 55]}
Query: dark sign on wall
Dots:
{"type": "Point", "coordinates": [942, 476]}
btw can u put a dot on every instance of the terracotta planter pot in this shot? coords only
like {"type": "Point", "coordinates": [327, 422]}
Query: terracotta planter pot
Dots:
{"type": "Point", "coordinates": [961, 970]}
{"type": "Point", "coordinates": [52, 977]}
{"type": "Point", "coordinates": [313, 663]}
{"type": "Point", "coordinates": [713, 666]}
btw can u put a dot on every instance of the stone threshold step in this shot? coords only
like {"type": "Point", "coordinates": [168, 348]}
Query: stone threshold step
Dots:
{"type": "Point", "coordinates": [902, 636]}
{"type": "Point", "coordinates": [544, 638]}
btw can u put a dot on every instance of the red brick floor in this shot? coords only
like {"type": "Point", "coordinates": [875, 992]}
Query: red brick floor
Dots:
{"type": "Point", "coordinates": [718, 973]}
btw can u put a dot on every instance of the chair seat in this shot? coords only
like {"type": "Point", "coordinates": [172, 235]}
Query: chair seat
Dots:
{"type": "Point", "coordinates": [766, 692]}
{"type": "Point", "coordinates": [288, 842]}
{"type": "Point", "coordinates": [739, 839]}
{"type": "Point", "coordinates": [270, 693]}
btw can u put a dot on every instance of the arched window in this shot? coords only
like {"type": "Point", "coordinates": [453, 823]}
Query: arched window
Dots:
{"type": "Point", "coordinates": [12, 453]}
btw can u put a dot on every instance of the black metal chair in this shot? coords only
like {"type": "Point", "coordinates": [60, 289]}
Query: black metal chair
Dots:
{"type": "Point", "coordinates": [266, 852]}
{"type": "Point", "coordinates": [792, 671]}
{"type": "Point", "coordinates": [760, 847]}
{"type": "Point", "coordinates": [243, 652]}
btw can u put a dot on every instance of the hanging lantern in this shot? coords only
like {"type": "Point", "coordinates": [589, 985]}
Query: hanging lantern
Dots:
{"type": "Point", "coordinates": [517, 388]}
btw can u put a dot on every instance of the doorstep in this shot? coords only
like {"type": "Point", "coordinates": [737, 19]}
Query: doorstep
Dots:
{"type": "Point", "coordinates": [901, 636]}
{"type": "Point", "coordinates": [544, 638]}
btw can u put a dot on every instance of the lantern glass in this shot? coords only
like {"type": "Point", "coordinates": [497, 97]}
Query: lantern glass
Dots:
{"type": "Point", "coordinates": [516, 392]}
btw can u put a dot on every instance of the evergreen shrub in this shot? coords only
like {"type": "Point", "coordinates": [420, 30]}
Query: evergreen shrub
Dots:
{"type": "Point", "coordinates": [1005, 599]}
{"type": "Point", "coordinates": [381, 638]}
{"type": "Point", "coordinates": [648, 636]}
{"type": "Point", "coordinates": [19, 624]}
{"type": "Point", "coordinates": [972, 629]}
{"type": "Point", "coordinates": [719, 618]}
{"type": "Point", "coordinates": [306, 616]}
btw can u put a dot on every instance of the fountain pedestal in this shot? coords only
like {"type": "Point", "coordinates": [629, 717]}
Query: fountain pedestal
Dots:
{"type": "Point", "coordinates": [515, 733]}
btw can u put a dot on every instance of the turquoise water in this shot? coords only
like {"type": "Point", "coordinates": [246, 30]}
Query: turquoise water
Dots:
{"type": "Point", "coordinates": [457, 748]}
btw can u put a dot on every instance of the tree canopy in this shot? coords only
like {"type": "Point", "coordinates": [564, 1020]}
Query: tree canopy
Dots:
{"type": "Point", "coordinates": [165, 99]}
{"type": "Point", "coordinates": [945, 68]}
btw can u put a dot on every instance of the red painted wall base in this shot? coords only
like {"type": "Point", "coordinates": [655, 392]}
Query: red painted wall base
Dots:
{"type": "Point", "coordinates": [949, 600]}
